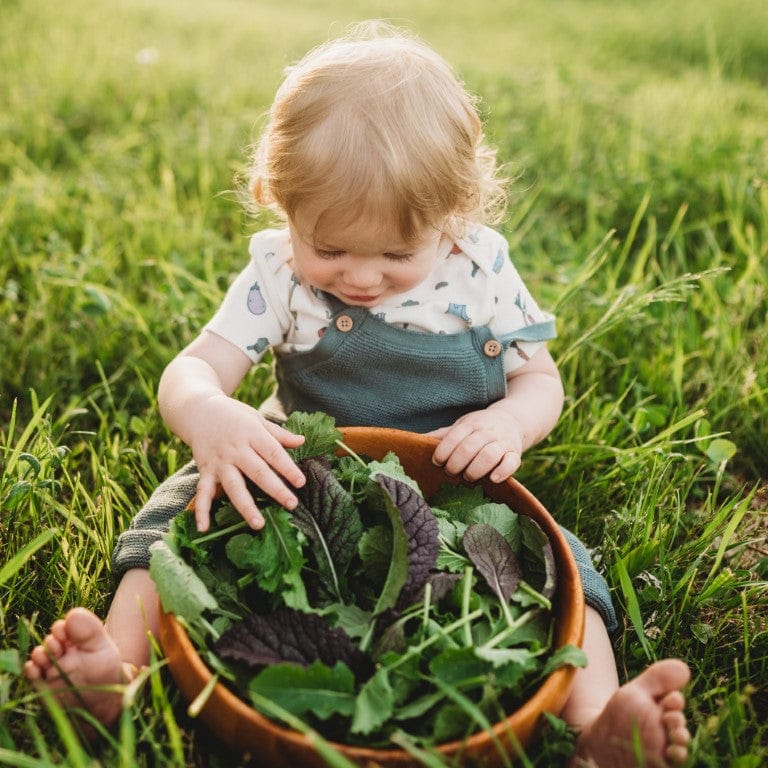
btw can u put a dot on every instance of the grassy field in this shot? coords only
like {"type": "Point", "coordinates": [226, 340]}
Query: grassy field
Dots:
{"type": "Point", "coordinates": [637, 134]}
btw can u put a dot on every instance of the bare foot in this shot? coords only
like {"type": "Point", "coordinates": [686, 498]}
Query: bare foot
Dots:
{"type": "Point", "coordinates": [80, 664]}
{"type": "Point", "coordinates": [643, 723]}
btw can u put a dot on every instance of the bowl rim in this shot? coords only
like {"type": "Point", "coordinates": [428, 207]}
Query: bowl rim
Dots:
{"type": "Point", "coordinates": [176, 644]}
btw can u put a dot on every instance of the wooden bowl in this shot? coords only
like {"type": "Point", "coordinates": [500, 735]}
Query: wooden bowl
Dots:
{"type": "Point", "coordinates": [242, 729]}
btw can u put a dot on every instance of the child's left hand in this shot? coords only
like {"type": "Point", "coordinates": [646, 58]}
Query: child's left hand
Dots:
{"type": "Point", "coordinates": [487, 442]}
{"type": "Point", "coordinates": [491, 441]}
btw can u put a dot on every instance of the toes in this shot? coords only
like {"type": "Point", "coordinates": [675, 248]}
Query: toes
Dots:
{"type": "Point", "coordinates": [84, 629]}
{"type": "Point", "coordinates": [677, 754]}
{"type": "Point", "coordinates": [679, 737]}
{"type": "Point", "coordinates": [39, 659]}
{"type": "Point", "coordinates": [59, 631]}
{"type": "Point", "coordinates": [673, 719]}
{"type": "Point", "coordinates": [674, 701]}
{"type": "Point", "coordinates": [54, 648]}
{"type": "Point", "coordinates": [32, 671]}
{"type": "Point", "coordinates": [677, 729]}
{"type": "Point", "coordinates": [664, 677]}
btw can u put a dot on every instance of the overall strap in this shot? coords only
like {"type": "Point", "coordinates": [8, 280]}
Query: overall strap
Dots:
{"type": "Point", "coordinates": [542, 331]}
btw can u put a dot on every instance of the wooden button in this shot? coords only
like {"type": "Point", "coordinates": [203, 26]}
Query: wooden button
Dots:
{"type": "Point", "coordinates": [344, 323]}
{"type": "Point", "coordinates": [492, 348]}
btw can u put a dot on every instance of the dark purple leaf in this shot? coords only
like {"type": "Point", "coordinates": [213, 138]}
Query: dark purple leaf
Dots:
{"type": "Point", "coordinates": [328, 516]}
{"type": "Point", "coordinates": [550, 581]}
{"type": "Point", "coordinates": [421, 528]}
{"type": "Point", "coordinates": [494, 559]}
{"type": "Point", "coordinates": [288, 635]}
{"type": "Point", "coordinates": [540, 562]}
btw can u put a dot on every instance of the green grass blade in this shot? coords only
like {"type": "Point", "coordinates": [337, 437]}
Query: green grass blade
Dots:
{"type": "Point", "coordinates": [19, 560]}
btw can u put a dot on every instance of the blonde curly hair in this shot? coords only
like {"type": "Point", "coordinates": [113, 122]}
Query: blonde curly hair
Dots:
{"type": "Point", "coordinates": [376, 122]}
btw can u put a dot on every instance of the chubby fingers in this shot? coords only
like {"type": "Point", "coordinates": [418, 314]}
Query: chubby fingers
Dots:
{"type": "Point", "coordinates": [207, 487]}
{"type": "Point", "coordinates": [233, 483]}
{"type": "Point", "coordinates": [274, 453]}
{"type": "Point", "coordinates": [267, 464]}
{"type": "Point", "coordinates": [475, 453]}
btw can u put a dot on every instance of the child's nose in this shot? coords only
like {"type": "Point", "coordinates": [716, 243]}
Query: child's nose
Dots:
{"type": "Point", "coordinates": [363, 276]}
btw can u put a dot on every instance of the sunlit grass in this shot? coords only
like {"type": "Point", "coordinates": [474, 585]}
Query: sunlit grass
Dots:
{"type": "Point", "coordinates": [636, 134]}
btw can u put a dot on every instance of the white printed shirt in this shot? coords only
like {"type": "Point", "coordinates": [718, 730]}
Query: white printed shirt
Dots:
{"type": "Point", "coordinates": [474, 283]}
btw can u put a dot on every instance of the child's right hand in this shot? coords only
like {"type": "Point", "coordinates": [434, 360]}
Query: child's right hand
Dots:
{"type": "Point", "coordinates": [231, 441]}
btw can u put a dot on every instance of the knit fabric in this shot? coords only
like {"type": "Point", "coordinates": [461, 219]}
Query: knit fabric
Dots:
{"type": "Point", "coordinates": [174, 495]}
{"type": "Point", "coordinates": [153, 520]}
{"type": "Point", "coordinates": [365, 371]}
{"type": "Point", "coordinates": [378, 375]}
{"type": "Point", "coordinates": [596, 592]}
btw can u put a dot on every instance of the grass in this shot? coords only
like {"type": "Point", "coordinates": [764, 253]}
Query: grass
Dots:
{"type": "Point", "coordinates": [637, 136]}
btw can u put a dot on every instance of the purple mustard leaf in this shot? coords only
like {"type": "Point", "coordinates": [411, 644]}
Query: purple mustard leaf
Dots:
{"type": "Point", "coordinates": [420, 525]}
{"type": "Point", "coordinates": [328, 516]}
{"type": "Point", "coordinates": [494, 559]}
{"type": "Point", "coordinates": [292, 636]}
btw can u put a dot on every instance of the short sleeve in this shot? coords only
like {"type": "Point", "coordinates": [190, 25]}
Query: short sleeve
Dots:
{"type": "Point", "coordinates": [519, 323]}
{"type": "Point", "coordinates": [253, 314]}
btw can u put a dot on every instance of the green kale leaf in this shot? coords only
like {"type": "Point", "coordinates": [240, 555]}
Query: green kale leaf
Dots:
{"type": "Point", "coordinates": [374, 704]}
{"type": "Point", "coordinates": [181, 590]}
{"type": "Point", "coordinates": [321, 438]}
{"type": "Point", "coordinates": [273, 554]}
{"type": "Point", "coordinates": [458, 501]}
{"type": "Point", "coordinates": [322, 690]}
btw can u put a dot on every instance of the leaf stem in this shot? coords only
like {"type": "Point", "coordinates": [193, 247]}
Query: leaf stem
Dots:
{"type": "Point", "coordinates": [466, 596]}
{"type": "Point", "coordinates": [505, 609]}
{"type": "Point", "coordinates": [331, 756]}
{"type": "Point", "coordinates": [544, 602]}
{"type": "Point", "coordinates": [425, 611]}
{"type": "Point", "coordinates": [414, 650]}
{"type": "Point", "coordinates": [197, 704]}
{"type": "Point", "coordinates": [511, 628]}
{"type": "Point", "coordinates": [218, 534]}
{"type": "Point", "coordinates": [346, 448]}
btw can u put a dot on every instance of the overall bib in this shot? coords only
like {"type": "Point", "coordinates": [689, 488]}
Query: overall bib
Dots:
{"type": "Point", "coordinates": [365, 372]}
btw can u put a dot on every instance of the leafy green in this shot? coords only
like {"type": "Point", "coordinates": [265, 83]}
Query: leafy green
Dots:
{"type": "Point", "coordinates": [375, 550]}
{"type": "Point", "coordinates": [374, 704]}
{"type": "Point", "coordinates": [458, 501]}
{"type": "Point", "coordinates": [181, 590]}
{"type": "Point", "coordinates": [543, 564]}
{"type": "Point", "coordinates": [494, 559]}
{"type": "Point", "coordinates": [271, 554]}
{"type": "Point", "coordinates": [292, 636]}
{"type": "Point", "coordinates": [397, 573]}
{"type": "Point", "coordinates": [420, 527]}
{"type": "Point", "coordinates": [368, 610]}
{"type": "Point", "coordinates": [321, 438]}
{"type": "Point", "coordinates": [391, 467]}
{"type": "Point", "coordinates": [328, 516]}
{"type": "Point", "coordinates": [502, 518]}
{"type": "Point", "coordinates": [317, 689]}
{"type": "Point", "coordinates": [568, 654]}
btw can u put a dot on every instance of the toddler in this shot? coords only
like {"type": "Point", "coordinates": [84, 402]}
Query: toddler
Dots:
{"type": "Point", "coordinates": [387, 300]}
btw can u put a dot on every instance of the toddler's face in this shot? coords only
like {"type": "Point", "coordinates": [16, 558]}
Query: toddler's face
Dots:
{"type": "Point", "coordinates": [362, 263]}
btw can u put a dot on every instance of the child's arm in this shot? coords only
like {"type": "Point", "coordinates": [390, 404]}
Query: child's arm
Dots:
{"type": "Point", "coordinates": [493, 440]}
{"type": "Point", "coordinates": [229, 439]}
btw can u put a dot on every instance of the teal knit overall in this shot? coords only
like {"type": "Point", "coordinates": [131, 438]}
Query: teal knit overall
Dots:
{"type": "Point", "coordinates": [365, 372]}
